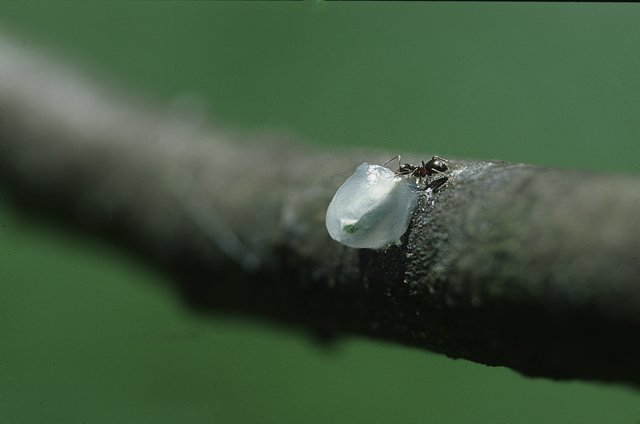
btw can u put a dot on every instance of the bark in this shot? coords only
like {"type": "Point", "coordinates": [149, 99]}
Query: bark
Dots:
{"type": "Point", "coordinates": [509, 264]}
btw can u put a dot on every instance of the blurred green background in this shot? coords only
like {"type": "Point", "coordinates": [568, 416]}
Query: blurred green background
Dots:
{"type": "Point", "coordinates": [89, 335]}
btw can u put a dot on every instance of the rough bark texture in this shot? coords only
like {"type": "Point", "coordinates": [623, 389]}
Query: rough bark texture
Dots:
{"type": "Point", "coordinates": [526, 267]}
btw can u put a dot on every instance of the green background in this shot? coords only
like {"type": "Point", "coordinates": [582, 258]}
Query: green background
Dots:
{"type": "Point", "coordinates": [89, 335]}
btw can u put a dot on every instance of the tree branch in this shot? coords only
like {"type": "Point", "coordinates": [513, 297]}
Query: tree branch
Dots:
{"type": "Point", "coordinates": [526, 267]}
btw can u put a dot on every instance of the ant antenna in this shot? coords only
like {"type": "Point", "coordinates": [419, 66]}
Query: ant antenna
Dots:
{"type": "Point", "coordinates": [393, 158]}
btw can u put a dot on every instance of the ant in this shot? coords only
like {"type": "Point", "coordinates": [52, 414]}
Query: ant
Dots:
{"type": "Point", "coordinates": [436, 165]}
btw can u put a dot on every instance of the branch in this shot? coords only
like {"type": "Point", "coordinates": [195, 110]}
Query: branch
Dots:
{"type": "Point", "coordinates": [526, 267]}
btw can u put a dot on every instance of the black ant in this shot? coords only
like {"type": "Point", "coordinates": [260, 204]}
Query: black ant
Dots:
{"type": "Point", "coordinates": [436, 165]}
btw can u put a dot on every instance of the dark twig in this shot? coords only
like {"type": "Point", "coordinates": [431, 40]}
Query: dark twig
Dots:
{"type": "Point", "coordinates": [531, 268]}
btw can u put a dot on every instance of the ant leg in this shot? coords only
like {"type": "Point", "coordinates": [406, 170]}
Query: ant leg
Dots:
{"type": "Point", "coordinates": [393, 158]}
{"type": "Point", "coordinates": [436, 184]}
